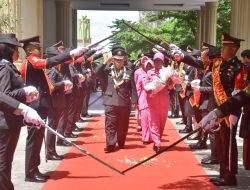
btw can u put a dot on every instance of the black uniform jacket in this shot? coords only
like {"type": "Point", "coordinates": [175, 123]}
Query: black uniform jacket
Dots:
{"type": "Point", "coordinates": [122, 96]}
{"type": "Point", "coordinates": [235, 103]}
{"type": "Point", "coordinates": [33, 73]}
{"type": "Point", "coordinates": [206, 90]}
{"type": "Point", "coordinates": [7, 104]}
{"type": "Point", "coordinates": [11, 83]}
{"type": "Point", "coordinates": [58, 95]}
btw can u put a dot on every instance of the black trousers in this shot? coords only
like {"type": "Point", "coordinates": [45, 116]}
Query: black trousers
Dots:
{"type": "Point", "coordinates": [85, 104]}
{"type": "Point", "coordinates": [224, 161]}
{"type": "Point", "coordinates": [8, 142]}
{"type": "Point", "coordinates": [116, 124]}
{"type": "Point", "coordinates": [174, 103]}
{"type": "Point", "coordinates": [182, 106]}
{"type": "Point", "coordinates": [53, 120]}
{"type": "Point", "coordinates": [67, 116]}
{"type": "Point", "coordinates": [34, 142]}
{"type": "Point", "coordinates": [79, 96]}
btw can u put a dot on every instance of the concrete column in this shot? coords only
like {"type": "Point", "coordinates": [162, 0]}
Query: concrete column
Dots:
{"type": "Point", "coordinates": [211, 22]}
{"type": "Point", "coordinates": [202, 25]}
{"type": "Point", "coordinates": [74, 27]}
{"type": "Point", "coordinates": [63, 24]}
{"type": "Point", "coordinates": [31, 18]}
{"type": "Point", "coordinates": [198, 34]}
{"type": "Point", "coordinates": [240, 22]}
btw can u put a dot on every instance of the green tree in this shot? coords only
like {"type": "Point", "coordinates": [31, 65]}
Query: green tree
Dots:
{"type": "Point", "coordinates": [179, 27]}
{"type": "Point", "coordinates": [133, 42]}
{"type": "Point", "coordinates": [223, 18]}
{"type": "Point", "coordinates": [6, 20]}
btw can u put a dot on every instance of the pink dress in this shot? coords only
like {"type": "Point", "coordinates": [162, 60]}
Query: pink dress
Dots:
{"type": "Point", "coordinates": [158, 110]}
{"type": "Point", "coordinates": [143, 105]}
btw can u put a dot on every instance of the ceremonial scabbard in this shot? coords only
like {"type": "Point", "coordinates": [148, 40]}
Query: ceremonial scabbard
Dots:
{"type": "Point", "coordinates": [162, 150]}
{"type": "Point", "coordinates": [82, 150]}
{"type": "Point", "coordinates": [95, 44]}
{"type": "Point", "coordinates": [153, 42]}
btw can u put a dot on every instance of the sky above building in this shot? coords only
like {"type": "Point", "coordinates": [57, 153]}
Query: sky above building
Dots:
{"type": "Point", "coordinates": [100, 20]}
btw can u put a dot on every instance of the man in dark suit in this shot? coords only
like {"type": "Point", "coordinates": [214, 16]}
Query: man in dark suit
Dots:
{"type": "Point", "coordinates": [119, 93]}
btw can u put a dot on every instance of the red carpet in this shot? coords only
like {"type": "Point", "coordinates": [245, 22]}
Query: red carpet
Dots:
{"type": "Point", "coordinates": [174, 169]}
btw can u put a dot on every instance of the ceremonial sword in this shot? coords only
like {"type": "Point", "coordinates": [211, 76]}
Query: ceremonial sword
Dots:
{"type": "Point", "coordinates": [82, 150]}
{"type": "Point", "coordinates": [162, 150]}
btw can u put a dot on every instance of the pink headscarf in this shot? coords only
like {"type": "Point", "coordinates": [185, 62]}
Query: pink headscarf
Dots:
{"type": "Point", "coordinates": [159, 56]}
{"type": "Point", "coordinates": [149, 61]}
{"type": "Point", "coordinates": [144, 58]}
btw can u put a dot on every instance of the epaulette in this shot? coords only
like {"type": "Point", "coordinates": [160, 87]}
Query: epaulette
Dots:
{"type": "Point", "coordinates": [3, 62]}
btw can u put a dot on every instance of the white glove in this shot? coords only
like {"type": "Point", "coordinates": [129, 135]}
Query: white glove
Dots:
{"type": "Point", "coordinates": [78, 51]}
{"type": "Point", "coordinates": [81, 78]}
{"type": "Point", "coordinates": [174, 47]}
{"type": "Point", "coordinates": [30, 115]}
{"type": "Point", "coordinates": [159, 48]}
{"type": "Point", "coordinates": [68, 85]}
{"type": "Point", "coordinates": [97, 48]}
{"type": "Point", "coordinates": [155, 50]}
{"type": "Point", "coordinates": [233, 119]}
{"type": "Point", "coordinates": [235, 92]}
{"type": "Point", "coordinates": [107, 58]}
{"type": "Point", "coordinates": [31, 93]}
{"type": "Point", "coordinates": [208, 121]}
{"type": "Point", "coordinates": [178, 54]}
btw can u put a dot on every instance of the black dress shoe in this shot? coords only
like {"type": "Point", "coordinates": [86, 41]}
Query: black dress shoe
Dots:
{"type": "Point", "coordinates": [209, 160]}
{"type": "Point", "coordinates": [70, 135]}
{"type": "Point", "coordinates": [222, 182]}
{"type": "Point", "coordinates": [54, 156]}
{"type": "Point", "coordinates": [109, 149]}
{"type": "Point", "coordinates": [36, 177]}
{"type": "Point", "coordinates": [180, 122]}
{"type": "Point", "coordinates": [199, 145]}
{"type": "Point", "coordinates": [80, 120]}
{"type": "Point", "coordinates": [146, 142]}
{"type": "Point", "coordinates": [121, 146]}
{"type": "Point", "coordinates": [187, 129]}
{"type": "Point", "coordinates": [62, 143]}
{"type": "Point", "coordinates": [194, 138]}
{"type": "Point", "coordinates": [77, 129]}
{"type": "Point", "coordinates": [86, 115]}
{"type": "Point", "coordinates": [156, 148]}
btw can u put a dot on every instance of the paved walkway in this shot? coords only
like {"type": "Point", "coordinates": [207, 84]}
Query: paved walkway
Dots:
{"type": "Point", "coordinates": [18, 163]}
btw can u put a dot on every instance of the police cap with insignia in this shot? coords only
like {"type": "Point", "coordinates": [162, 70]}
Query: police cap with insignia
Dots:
{"type": "Point", "coordinates": [196, 53]}
{"type": "Point", "coordinates": [51, 51]}
{"type": "Point", "coordinates": [9, 39]}
{"type": "Point", "coordinates": [205, 46]}
{"type": "Point", "coordinates": [58, 44]}
{"type": "Point", "coordinates": [35, 41]}
{"type": "Point", "coordinates": [245, 53]}
{"type": "Point", "coordinates": [230, 40]}
{"type": "Point", "coordinates": [214, 52]}
{"type": "Point", "coordinates": [118, 52]}
{"type": "Point", "coordinates": [189, 49]}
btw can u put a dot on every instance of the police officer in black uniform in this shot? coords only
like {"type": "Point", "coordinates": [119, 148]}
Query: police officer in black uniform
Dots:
{"type": "Point", "coordinates": [119, 93]}
{"type": "Point", "coordinates": [58, 103]}
{"type": "Point", "coordinates": [12, 84]}
{"type": "Point", "coordinates": [33, 71]}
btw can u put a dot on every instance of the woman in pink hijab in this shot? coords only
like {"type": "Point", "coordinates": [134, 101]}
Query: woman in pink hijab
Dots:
{"type": "Point", "coordinates": [142, 101]}
{"type": "Point", "coordinates": [137, 73]}
{"type": "Point", "coordinates": [157, 104]}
